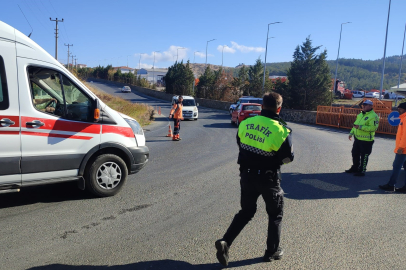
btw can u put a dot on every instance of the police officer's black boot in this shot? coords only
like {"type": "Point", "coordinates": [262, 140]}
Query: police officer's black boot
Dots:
{"type": "Point", "coordinates": [222, 251]}
{"type": "Point", "coordinates": [268, 257]}
{"type": "Point", "coordinates": [352, 170]}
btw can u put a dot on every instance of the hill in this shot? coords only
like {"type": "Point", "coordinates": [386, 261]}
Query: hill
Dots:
{"type": "Point", "coordinates": [357, 73]}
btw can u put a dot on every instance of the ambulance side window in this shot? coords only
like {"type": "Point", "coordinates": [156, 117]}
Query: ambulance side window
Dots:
{"type": "Point", "coordinates": [4, 103]}
{"type": "Point", "coordinates": [53, 93]}
{"type": "Point", "coordinates": [78, 105]}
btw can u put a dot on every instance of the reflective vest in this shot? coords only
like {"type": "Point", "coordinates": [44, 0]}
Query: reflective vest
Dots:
{"type": "Point", "coordinates": [401, 135]}
{"type": "Point", "coordinates": [262, 135]}
{"type": "Point", "coordinates": [368, 123]}
{"type": "Point", "coordinates": [176, 110]}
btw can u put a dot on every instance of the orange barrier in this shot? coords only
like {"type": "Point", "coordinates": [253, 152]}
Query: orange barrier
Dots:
{"type": "Point", "coordinates": [342, 117]}
{"type": "Point", "coordinates": [328, 116]}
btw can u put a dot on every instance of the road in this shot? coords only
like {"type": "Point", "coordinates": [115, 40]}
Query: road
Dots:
{"type": "Point", "coordinates": [169, 215]}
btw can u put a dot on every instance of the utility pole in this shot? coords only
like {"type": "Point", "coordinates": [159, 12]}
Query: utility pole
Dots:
{"type": "Point", "coordinates": [72, 60]}
{"type": "Point", "coordinates": [75, 64]}
{"type": "Point", "coordinates": [56, 36]}
{"type": "Point", "coordinates": [68, 54]}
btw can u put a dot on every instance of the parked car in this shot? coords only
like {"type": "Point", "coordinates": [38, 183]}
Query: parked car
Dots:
{"type": "Point", "coordinates": [245, 99]}
{"type": "Point", "coordinates": [54, 129]}
{"type": "Point", "coordinates": [244, 111]}
{"type": "Point", "coordinates": [392, 95]}
{"type": "Point", "coordinates": [190, 110]}
{"type": "Point", "coordinates": [372, 95]}
{"type": "Point", "coordinates": [357, 94]}
{"type": "Point", "coordinates": [126, 89]}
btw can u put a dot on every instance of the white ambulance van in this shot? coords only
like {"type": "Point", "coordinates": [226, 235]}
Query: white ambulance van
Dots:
{"type": "Point", "coordinates": [54, 129]}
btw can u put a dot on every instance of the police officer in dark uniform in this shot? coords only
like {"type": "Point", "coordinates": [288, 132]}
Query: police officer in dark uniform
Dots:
{"type": "Point", "coordinates": [265, 144]}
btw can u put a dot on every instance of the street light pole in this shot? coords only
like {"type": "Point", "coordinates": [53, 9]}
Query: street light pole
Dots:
{"type": "Point", "coordinates": [384, 53]}
{"type": "Point", "coordinates": [222, 51]}
{"type": "Point", "coordinates": [177, 52]}
{"type": "Point", "coordinates": [127, 59]}
{"type": "Point", "coordinates": [153, 70]}
{"type": "Point", "coordinates": [338, 54]}
{"type": "Point", "coordinates": [207, 44]}
{"type": "Point", "coordinates": [194, 81]}
{"type": "Point", "coordinates": [139, 62]}
{"type": "Point", "coordinates": [400, 68]}
{"type": "Point", "coordinates": [266, 51]}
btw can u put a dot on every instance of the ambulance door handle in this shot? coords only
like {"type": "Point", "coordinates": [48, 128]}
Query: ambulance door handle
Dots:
{"type": "Point", "coordinates": [35, 123]}
{"type": "Point", "coordinates": [6, 122]}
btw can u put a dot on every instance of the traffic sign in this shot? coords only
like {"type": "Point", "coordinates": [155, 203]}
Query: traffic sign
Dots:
{"type": "Point", "coordinates": [394, 119]}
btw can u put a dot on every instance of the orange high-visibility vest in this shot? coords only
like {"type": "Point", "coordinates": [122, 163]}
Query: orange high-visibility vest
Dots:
{"type": "Point", "coordinates": [176, 110]}
{"type": "Point", "coordinates": [401, 135]}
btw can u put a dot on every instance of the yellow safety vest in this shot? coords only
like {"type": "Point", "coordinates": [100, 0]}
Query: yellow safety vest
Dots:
{"type": "Point", "coordinates": [368, 123]}
{"type": "Point", "coordinates": [262, 135]}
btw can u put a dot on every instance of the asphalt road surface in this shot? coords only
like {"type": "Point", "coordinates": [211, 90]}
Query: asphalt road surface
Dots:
{"type": "Point", "coordinates": [169, 215]}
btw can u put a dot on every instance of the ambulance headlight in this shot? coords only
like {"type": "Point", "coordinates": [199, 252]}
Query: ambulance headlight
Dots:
{"type": "Point", "coordinates": [135, 126]}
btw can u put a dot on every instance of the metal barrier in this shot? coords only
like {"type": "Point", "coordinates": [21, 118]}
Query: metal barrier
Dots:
{"type": "Point", "coordinates": [342, 117]}
{"type": "Point", "coordinates": [328, 116]}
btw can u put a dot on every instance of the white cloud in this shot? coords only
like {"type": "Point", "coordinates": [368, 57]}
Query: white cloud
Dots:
{"type": "Point", "coordinates": [227, 49]}
{"type": "Point", "coordinates": [203, 55]}
{"type": "Point", "coordinates": [237, 47]}
{"type": "Point", "coordinates": [143, 65]}
{"type": "Point", "coordinates": [168, 55]}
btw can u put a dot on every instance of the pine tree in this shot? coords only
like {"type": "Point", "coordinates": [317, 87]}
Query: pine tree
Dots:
{"type": "Point", "coordinates": [179, 79]}
{"type": "Point", "coordinates": [256, 74]}
{"type": "Point", "coordinates": [309, 78]}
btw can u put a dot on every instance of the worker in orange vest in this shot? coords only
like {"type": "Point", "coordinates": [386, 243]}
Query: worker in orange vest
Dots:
{"type": "Point", "coordinates": [176, 115]}
{"type": "Point", "coordinates": [400, 151]}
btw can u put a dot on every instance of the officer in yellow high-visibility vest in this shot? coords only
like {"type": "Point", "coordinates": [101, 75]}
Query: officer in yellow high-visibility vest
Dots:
{"type": "Point", "coordinates": [364, 133]}
{"type": "Point", "coordinates": [265, 144]}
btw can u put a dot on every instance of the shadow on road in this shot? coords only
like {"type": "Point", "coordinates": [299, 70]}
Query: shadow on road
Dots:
{"type": "Point", "coordinates": [333, 185]}
{"type": "Point", "coordinates": [45, 194]}
{"type": "Point", "coordinates": [221, 125]}
{"type": "Point", "coordinates": [155, 265]}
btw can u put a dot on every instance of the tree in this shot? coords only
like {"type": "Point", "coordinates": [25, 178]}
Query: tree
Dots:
{"type": "Point", "coordinates": [206, 82]}
{"type": "Point", "coordinates": [309, 78]}
{"type": "Point", "coordinates": [256, 74]}
{"type": "Point", "coordinates": [240, 83]}
{"type": "Point", "coordinates": [179, 79]}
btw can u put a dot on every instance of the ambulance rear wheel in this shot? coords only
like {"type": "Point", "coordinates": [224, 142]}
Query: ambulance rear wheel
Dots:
{"type": "Point", "coordinates": [106, 175]}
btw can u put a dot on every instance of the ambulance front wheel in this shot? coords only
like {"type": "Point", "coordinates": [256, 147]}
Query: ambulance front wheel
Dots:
{"type": "Point", "coordinates": [106, 175]}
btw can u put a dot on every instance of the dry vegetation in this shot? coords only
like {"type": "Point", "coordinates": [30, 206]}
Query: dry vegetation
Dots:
{"type": "Point", "coordinates": [141, 112]}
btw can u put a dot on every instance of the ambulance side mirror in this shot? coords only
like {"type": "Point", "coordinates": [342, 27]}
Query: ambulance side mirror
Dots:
{"type": "Point", "coordinates": [96, 111]}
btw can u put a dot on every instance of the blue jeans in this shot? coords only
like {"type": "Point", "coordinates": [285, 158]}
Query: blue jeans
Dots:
{"type": "Point", "coordinates": [397, 166]}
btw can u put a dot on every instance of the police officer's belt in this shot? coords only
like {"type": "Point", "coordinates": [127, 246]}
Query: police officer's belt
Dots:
{"type": "Point", "coordinates": [257, 171]}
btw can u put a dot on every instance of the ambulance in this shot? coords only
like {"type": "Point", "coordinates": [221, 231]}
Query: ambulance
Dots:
{"type": "Point", "coordinates": [54, 129]}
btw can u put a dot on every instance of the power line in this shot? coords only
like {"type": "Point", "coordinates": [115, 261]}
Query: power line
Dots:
{"type": "Point", "coordinates": [26, 2]}
{"type": "Point", "coordinates": [32, 30]}
{"type": "Point", "coordinates": [50, 13]}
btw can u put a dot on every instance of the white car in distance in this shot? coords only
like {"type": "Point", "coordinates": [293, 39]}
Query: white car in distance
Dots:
{"type": "Point", "coordinates": [126, 89]}
{"type": "Point", "coordinates": [357, 94]}
{"type": "Point", "coordinates": [372, 95]}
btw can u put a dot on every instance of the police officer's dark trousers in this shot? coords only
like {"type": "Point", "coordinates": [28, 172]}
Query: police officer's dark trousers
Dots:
{"type": "Point", "coordinates": [360, 154]}
{"type": "Point", "coordinates": [252, 186]}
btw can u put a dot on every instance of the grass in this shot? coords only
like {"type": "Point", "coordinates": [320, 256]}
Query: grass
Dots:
{"type": "Point", "coordinates": [139, 111]}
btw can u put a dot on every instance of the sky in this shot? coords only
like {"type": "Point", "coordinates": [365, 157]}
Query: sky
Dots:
{"type": "Point", "coordinates": [125, 32]}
